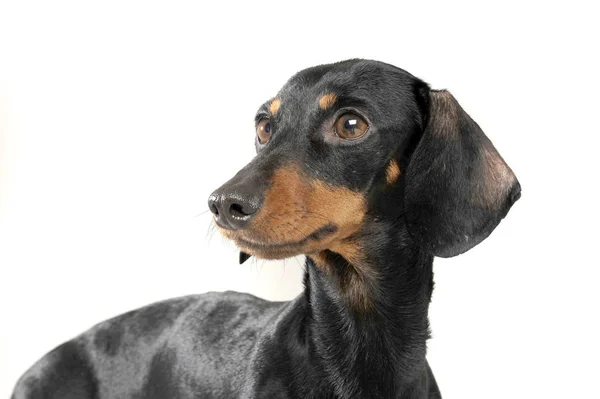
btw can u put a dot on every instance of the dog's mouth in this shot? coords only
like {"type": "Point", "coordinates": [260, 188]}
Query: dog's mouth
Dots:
{"type": "Point", "coordinates": [266, 248]}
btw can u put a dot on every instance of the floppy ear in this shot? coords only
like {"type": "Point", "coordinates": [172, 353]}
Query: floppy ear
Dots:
{"type": "Point", "coordinates": [458, 188]}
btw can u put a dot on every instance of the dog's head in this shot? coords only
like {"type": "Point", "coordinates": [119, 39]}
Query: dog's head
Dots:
{"type": "Point", "coordinates": [346, 144]}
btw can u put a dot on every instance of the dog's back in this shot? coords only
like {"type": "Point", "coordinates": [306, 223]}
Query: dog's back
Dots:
{"type": "Point", "coordinates": [156, 352]}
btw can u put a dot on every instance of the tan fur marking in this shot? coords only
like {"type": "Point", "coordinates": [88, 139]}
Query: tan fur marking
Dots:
{"type": "Point", "coordinates": [274, 106]}
{"type": "Point", "coordinates": [358, 292]}
{"type": "Point", "coordinates": [293, 208]}
{"type": "Point", "coordinates": [320, 259]}
{"type": "Point", "coordinates": [356, 281]}
{"type": "Point", "coordinates": [327, 101]}
{"type": "Point", "coordinates": [360, 279]}
{"type": "Point", "coordinates": [392, 173]}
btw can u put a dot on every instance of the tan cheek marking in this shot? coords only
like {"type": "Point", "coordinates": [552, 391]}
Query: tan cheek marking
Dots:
{"type": "Point", "coordinates": [327, 101]}
{"type": "Point", "coordinates": [274, 106]}
{"type": "Point", "coordinates": [294, 207]}
{"type": "Point", "coordinates": [347, 210]}
{"type": "Point", "coordinates": [280, 216]}
{"type": "Point", "coordinates": [343, 207]}
{"type": "Point", "coordinates": [392, 173]}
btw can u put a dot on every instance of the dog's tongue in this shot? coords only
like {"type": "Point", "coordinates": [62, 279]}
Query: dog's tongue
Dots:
{"type": "Point", "coordinates": [244, 257]}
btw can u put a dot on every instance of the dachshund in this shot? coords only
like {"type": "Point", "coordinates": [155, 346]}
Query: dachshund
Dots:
{"type": "Point", "coordinates": [367, 171]}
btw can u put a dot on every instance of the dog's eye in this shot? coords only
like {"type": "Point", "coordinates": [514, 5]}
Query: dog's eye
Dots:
{"type": "Point", "coordinates": [263, 130]}
{"type": "Point", "coordinates": [350, 126]}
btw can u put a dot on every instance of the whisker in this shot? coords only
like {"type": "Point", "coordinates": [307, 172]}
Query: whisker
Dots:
{"type": "Point", "coordinates": [313, 215]}
{"type": "Point", "coordinates": [212, 228]}
{"type": "Point", "coordinates": [202, 213]}
{"type": "Point", "coordinates": [297, 261]}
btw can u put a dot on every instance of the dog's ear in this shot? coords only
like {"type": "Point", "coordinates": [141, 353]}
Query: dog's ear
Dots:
{"type": "Point", "coordinates": [458, 188]}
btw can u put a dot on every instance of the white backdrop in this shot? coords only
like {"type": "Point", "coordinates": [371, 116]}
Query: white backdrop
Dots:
{"type": "Point", "coordinates": [117, 120]}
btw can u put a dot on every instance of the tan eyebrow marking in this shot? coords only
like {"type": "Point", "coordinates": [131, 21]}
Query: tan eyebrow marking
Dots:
{"type": "Point", "coordinates": [392, 173]}
{"type": "Point", "coordinates": [274, 106]}
{"type": "Point", "coordinates": [327, 101]}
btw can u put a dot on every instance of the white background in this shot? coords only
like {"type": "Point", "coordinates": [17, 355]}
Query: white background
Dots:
{"type": "Point", "coordinates": [117, 120]}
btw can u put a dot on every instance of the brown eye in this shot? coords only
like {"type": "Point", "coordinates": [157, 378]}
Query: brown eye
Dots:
{"type": "Point", "coordinates": [263, 130]}
{"type": "Point", "coordinates": [350, 126]}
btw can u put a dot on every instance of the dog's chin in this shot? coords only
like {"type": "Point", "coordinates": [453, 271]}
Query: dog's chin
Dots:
{"type": "Point", "coordinates": [261, 247]}
{"type": "Point", "coordinates": [271, 251]}
{"type": "Point", "coordinates": [270, 255]}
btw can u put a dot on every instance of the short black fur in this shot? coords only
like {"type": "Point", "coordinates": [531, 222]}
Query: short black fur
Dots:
{"type": "Point", "coordinates": [450, 191]}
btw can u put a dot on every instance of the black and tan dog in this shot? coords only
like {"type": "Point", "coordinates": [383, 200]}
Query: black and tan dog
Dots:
{"type": "Point", "coordinates": [368, 172]}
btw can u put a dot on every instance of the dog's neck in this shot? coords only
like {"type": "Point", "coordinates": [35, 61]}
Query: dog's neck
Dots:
{"type": "Point", "coordinates": [369, 319]}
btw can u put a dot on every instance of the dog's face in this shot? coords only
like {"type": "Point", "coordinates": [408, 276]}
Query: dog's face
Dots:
{"type": "Point", "coordinates": [348, 144]}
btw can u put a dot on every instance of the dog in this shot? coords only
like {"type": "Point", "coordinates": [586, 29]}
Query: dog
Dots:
{"type": "Point", "coordinates": [367, 171]}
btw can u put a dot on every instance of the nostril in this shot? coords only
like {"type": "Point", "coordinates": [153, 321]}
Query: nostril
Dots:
{"type": "Point", "coordinates": [213, 208]}
{"type": "Point", "coordinates": [237, 210]}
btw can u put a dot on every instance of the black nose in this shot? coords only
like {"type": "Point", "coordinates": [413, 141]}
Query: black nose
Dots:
{"type": "Point", "coordinates": [233, 210]}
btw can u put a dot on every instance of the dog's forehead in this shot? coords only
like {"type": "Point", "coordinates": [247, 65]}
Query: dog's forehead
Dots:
{"type": "Point", "coordinates": [346, 75]}
{"type": "Point", "coordinates": [369, 81]}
